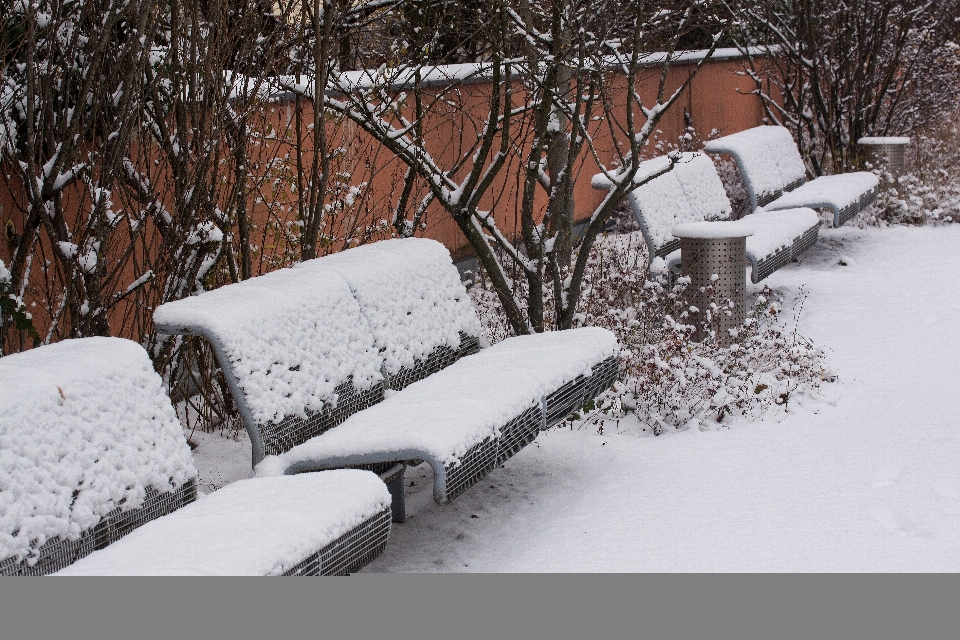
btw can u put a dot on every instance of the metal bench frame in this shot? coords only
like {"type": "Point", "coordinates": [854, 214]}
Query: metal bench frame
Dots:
{"type": "Point", "coordinates": [450, 480]}
{"type": "Point", "coordinates": [58, 553]}
{"type": "Point", "coordinates": [761, 266]}
{"type": "Point", "coordinates": [841, 215]}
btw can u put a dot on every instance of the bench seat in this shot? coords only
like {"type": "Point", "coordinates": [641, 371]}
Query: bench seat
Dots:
{"type": "Point", "coordinates": [329, 523]}
{"type": "Point", "coordinates": [775, 175]}
{"type": "Point", "coordinates": [844, 195]}
{"type": "Point", "coordinates": [779, 237]}
{"type": "Point", "coordinates": [467, 418]}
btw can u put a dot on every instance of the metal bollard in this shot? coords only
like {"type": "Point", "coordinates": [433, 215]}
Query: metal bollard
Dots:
{"type": "Point", "coordinates": [885, 153]}
{"type": "Point", "coordinates": [714, 256]}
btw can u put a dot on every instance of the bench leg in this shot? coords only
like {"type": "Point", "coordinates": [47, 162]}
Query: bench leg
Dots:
{"type": "Point", "coordinates": [394, 481]}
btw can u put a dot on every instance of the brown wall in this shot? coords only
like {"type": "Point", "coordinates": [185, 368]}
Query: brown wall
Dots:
{"type": "Point", "coordinates": [718, 99]}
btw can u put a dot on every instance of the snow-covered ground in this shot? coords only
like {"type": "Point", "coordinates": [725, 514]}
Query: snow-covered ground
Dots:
{"type": "Point", "coordinates": [864, 476]}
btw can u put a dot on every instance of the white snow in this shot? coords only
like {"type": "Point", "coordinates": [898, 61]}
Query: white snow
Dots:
{"type": "Point", "coordinates": [837, 191]}
{"type": "Point", "coordinates": [690, 192]}
{"type": "Point", "coordinates": [670, 199]}
{"type": "Point", "coordinates": [705, 197]}
{"type": "Point", "coordinates": [291, 335]}
{"type": "Point", "coordinates": [713, 230]}
{"type": "Point", "coordinates": [85, 427]}
{"type": "Point", "coordinates": [862, 477]}
{"type": "Point", "coordinates": [397, 78]}
{"type": "Point", "coordinates": [442, 416]}
{"type": "Point", "coordinates": [883, 140]}
{"type": "Point", "coordinates": [774, 230]}
{"type": "Point", "coordinates": [221, 457]}
{"type": "Point", "coordinates": [410, 294]}
{"type": "Point", "coordinates": [768, 157]}
{"type": "Point", "coordinates": [262, 526]}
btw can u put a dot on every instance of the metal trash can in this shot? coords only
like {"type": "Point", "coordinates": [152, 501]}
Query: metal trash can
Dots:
{"type": "Point", "coordinates": [714, 256]}
{"type": "Point", "coordinates": [886, 153]}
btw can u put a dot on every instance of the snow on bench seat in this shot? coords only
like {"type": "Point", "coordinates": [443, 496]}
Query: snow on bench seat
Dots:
{"type": "Point", "coordinates": [768, 160]}
{"type": "Point", "coordinates": [775, 175]}
{"type": "Point", "coordinates": [293, 525]}
{"type": "Point", "coordinates": [459, 416]}
{"type": "Point", "coordinates": [676, 197]}
{"type": "Point", "coordinates": [840, 193]}
{"type": "Point", "coordinates": [692, 192]}
{"type": "Point", "coordinates": [90, 446]}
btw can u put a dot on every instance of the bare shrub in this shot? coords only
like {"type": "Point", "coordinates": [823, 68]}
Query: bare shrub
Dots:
{"type": "Point", "coordinates": [667, 379]}
{"type": "Point", "coordinates": [844, 70]}
{"type": "Point", "coordinates": [929, 191]}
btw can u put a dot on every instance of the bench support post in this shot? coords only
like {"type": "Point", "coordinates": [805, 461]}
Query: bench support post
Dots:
{"type": "Point", "coordinates": [393, 478]}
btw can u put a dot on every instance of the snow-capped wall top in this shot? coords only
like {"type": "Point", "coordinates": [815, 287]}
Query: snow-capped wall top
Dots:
{"type": "Point", "coordinates": [292, 336]}
{"type": "Point", "coordinates": [767, 156]}
{"type": "Point", "coordinates": [410, 294]}
{"type": "Point", "coordinates": [85, 425]}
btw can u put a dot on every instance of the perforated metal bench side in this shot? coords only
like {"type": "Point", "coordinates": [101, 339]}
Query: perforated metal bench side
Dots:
{"type": "Point", "coordinates": [59, 553]}
{"type": "Point", "coordinates": [350, 552]}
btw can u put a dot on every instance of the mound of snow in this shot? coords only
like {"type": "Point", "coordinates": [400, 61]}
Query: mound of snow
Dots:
{"type": "Point", "coordinates": [768, 157]}
{"type": "Point", "coordinates": [410, 294]}
{"type": "Point", "coordinates": [85, 427]}
{"type": "Point", "coordinates": [263, 526]}
{"type": "Point", "coordinates": [292, 336]}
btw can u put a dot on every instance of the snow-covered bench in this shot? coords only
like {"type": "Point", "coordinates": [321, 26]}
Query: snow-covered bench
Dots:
{"type": "Point", "coordinates": [775, 175]}
{"type": "Point", "coordinates": [91, 451]}
{"type": "Point", "coordinates": [692, 192]}
{"type": "Point", "coordinates": [357, 360]}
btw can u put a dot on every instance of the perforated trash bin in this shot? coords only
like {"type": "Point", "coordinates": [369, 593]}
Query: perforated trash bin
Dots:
{"type": "Point", "coordinates": [888, 152]}
{"type": "Point", "coordinates": [714, 256]}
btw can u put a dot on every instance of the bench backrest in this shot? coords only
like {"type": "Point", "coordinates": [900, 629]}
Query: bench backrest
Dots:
{"type": "Point", "coordinates": [90, 448]}
{"type": "Point", "coordinates": [304, 348]}
{"type": "Point", "coordinates": [768, 159]}
{"type": "Point", "coordinates": [690, 192]}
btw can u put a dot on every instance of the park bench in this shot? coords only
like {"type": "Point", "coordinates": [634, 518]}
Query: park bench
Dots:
{"type": "Point", "coordinates": [775, 175]}
{"type": "Point", "coordinates": [372, 358]}
{"type": "Point", "coordinates": [96, 477]}
{"type": "Point", "coordinates": [692, 192]}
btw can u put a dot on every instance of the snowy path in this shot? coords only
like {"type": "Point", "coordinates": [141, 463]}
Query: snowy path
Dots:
{"type": "Point", "coordinates": [864, 478]}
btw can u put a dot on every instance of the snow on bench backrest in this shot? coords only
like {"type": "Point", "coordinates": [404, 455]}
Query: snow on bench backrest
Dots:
{"type": "Point", "coordinates": [85, 427]}
{"type": "Point", "coordinates": [784, 150]}
{"type": "Point", "coordinates": [291, 336]}
{"type": "Point", "coordinates": [690, 192]}
{"type": "Point", "coordinates": [768, 159]}
{"type": "Point", "coordinates": [411, 295]}
{"type": "Point", "coordinates": [706, 197]}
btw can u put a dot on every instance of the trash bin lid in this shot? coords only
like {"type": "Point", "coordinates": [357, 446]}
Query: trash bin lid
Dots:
{"type": "Point", "coordinates": [871, 140]}
{"type": "Point", "coordinates": [713, 230]}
